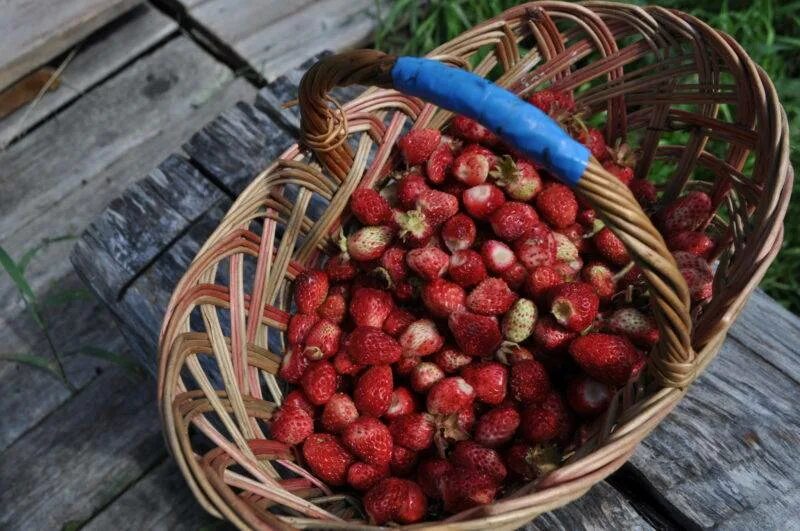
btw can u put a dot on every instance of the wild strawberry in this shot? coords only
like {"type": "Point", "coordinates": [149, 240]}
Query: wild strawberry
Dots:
{"type": "Point", "coordinates": [393, 260]}
{"type": "Point", "coordinates": [439, 163]}
{"type": "Point", "coordinates": [586, 217]}
{"type": "Point", "coordinates": [369, 207]}
{"type": "Point", "coordinates": [637, 326]}
{"type": "Point", "coordinates": [574, 305]}
{"type": "Point", "coordinates": [588, 397]}
{"type": "Point", "coordinates": [688, 212]}
{"type": "Point", "coordinates": [471, 131]}
{"type": "Point", "coordinates": [291, 425]}
{"type": "Point", "coordinates": [373, 391]}
{"type": "Point", "coordinates": [621, 172]}
{"type": "Point", "coordinates": [428, 262]}
{"type": "Point", "coordinates": [326, 458]}
{"type": "Point", "coordinates": [568, 260]}
{"type": "Point", "coordinates": [370, 307]}
{"type": "Point", "coordinates": [319, 382]}
{"type": "Point", "coordinates": [338, 413]}
{"type": "Point", "coordinates": [644, 191]}
{"type": "Point", "coordinates": [694, 242]}
{"type": "Point", "coordinates": [489, 379]}
{"type": "Point", "coordinates": [515, 276]}
{"type": "Point", "coordinates": [466, 268]}
{"type": "Point", "coordinates": [396, 500]}
{"type": "Point", "coordinates": [537, 247]}
{"type": "Point", "coordinates": [450, 360]}
{"type": "Point", "coordinates": [463, 488]}
{"type": "Point", "coordinates": [593, 139]}
{"type": "Point", "coordinates": [541, 279]}
{"type": "Point", "coordinates": [491, 297]}
{"type": "Point", "coordinates": [310, 290]}
{"type": "Point", "coordinates": [334, 308]}
{"type": "Point", "coordinates": [552, 101]}
{"type": "Point", "coordinates": [465, 419]}
{"type": "Point", "coordinates": [363, 476]}
{"type": "Point", "coordinates": [449, 395]}
{"type": "Point", "coordinates": [413, 431]}
{"type": "Point", "coordinates": [531, 462]}
{"type": "Point", "coordinates": [298, 328]}
{"type": "Point", "coordinates": [430, 475]}
{"type": "Point", "coordinates": [322, 340]}
{"type": "Point", "coordinates": [557, 205]}
{"type": "Point", "coordinates": [402, 403]}
{"type": "Point", "coordinates": [403, 461]}
{"type": "Point", "coordinates": [424, 375]}
{"type": "Point", "coordinates": [697, 273]}
{"type": "Point", "coordinates": [476, 335]}
{"type": "Point", "coordinates": [469, 454]}
{"type": "Point", "coordinates": [437, 206]}
{"type": "Point", "coordinates": [551, 336]}
{"type": "Point", "coordinates": [605, 357]}
{"type": "Point", "coordinates": [442, 297]}
{"type": "Point", "coordinates": [482, 200]}
{"type": "Point", "coordinates": [519, 178]}
{"type": "Point", "coordinates": [340, 268]}
{"type": "Point", "coordinates": [409, 187]}
{"type": "Point", "coordinates": [406, 364]}
{"type": "Point", "coordinates": [529, 382]}
{"type": "Point", "coordinates": [633, 278]}
{"type": "Point", "coordinates": [368, 243]}
{"type": "Point", "coordinates": [497, 256]}
{"type": "Point", "coordinates": [418, 145]}
{"type": "Point", "coordinates": [421, 338]}
{"type": "Point", "coordinates": [545, 421]}
{"type": "Point", "coordinates": [611, 247]}
{"type": "Point", "coordinates": [371, 346]}
{"type": "Point", "coordinates": [519, 321]}
{"type": "Point", "coordinates": [458, 233]}
{"type": "Point", "coordinates": [397, 321]}
{"type": "Point", "coordinates": [497, 426]}
{"type": "Point", "coordinates": [511, 354]}
{"type": "Point", "coordinates": [414, 228]}
{"type": "Point", "coordinates": [296, 399]}
{"type": "Point", "coordinates": [293, 365]}
{"type": "Point", "coordinates": [601, 278]}
{"type": "Point", "coordinates": [512, 220]}
{"type": "Point", "coordinates": [472, 165]}
{"type": "Point", "coordinates": [369, 440]}
{"type": "Point", "coordinates": [344, 365]}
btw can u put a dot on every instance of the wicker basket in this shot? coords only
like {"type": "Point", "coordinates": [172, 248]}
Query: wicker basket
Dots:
{"type": "Point", "coordinates": [651, 69]}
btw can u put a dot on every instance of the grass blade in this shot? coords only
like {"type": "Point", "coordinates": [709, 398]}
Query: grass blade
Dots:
{"type": "Point", "coordinates": [37, 362]}
{"type": "Point", "coordinates": [60, 298]}
{"type": "Point", "coordinates": [130, 366]}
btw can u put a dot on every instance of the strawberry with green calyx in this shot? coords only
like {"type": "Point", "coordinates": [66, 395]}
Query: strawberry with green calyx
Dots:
{"type": "Point", "coordinates": [518, 178]}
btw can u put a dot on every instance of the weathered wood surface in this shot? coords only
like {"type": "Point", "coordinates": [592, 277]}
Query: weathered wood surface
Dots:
{"type": "Point", "coordinates": [110, 49]}
{"type": "Point", "coordinates": [34, 32]}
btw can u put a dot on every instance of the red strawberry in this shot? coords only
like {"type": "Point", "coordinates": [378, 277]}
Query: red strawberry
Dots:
{"type": "Point", "coordinates": [551, 336]}
{"type": "Point", "coordinates": [588, 397]}
{"type": "Point", "coordinates": [463, 488]}
{"type": "Point", "coordinates": [409, 187]}
{"type": "Point", "coordinates": [644, 191]}
{"type": "Point", "coordinates": [491, 297]}
{"type": "Point", "coordinates": [393, 260]}
{"type": "Point", "coordinates": [575, 234]}
{"type": "Point", "coordinates": [519, 178]}
{"type": "Point", "coordinates": [512, 220]}
{"type": "Point", "coordinates": [515, 276]}
{"type": "Point", "coordinates": [471, 131]}
{"type": "Point", "coordinates": [322, 340]}
{"type": "Point", "coordinates": [574, 305]}
{"type": "Point", "coordinates": [371, 346]}
{"type": "Point", "coordinates": [439, 163]}
{"type": "Point", "coordinates": [529, 382]}
{"type": "Point", "coordinates": [469, 454]}
{"type": "Point", "coordinates": [403, 402]}
{"type": "Point", "coordinates": [472, 165]}
{"type": "Point", "coordinates": [601, 278]}
{"type": "Point", "coordinates": [319, 382]}
{"type": "Point", "coordinates": [413, 228]}
{"type": "Point", "coordinates": [545, 421]}
{"type": "Point", "coordinates": [373, 391]}
{"type": "Point", "coordinates": [334, 308]}
{"type": "Point", "coordinates": [413, 431]}
{"type": "Point", "coordinates": [621, 172]}
{"type": "Point", "coordinates": [450, 360]}
{"type": "Point", "coordinates": [458, 232]}
{"type": "Point", "coordinates": [497, 255]}
{"type": "Point", "coordinates": [587, 217]}
{"type": "Point", "coordinates": [296, 399]}
{"type": "Point", "coordinates": [406, 364]}
{"type": "Point", "coordinates": [482, 200]}
{"type": "Point", "coordinates": [428, 262]}
{"type": "Point", "coordinates": [299, 325]}
{"type": "Point", "coordinates": [449, 395]}
{"type": "Point", "coordinates": [689, 212]}
{"type": "Point", "coordinates": [344, 365]}
{"type": "Point", "coordinates": [466, 268]}
{"type": "Point", "coordinates": [403, 461]}
{"type": "Point", "coordinates": [369, 207]}
{"type": "Point", "coordinates": [396, 500]}
{"type": "Point", "coordinates": [437, 206]}
{"type": "Point", "coordinates": [593, 139]}
{"type": "Point", "coordinates": [340, 268]}
{"type": "Point", "coordinates": [541, 280]}
{"type": "Point", "coordinates": [430, 474]}
{"type": "Point", "coordinates": [338, 413]}
{"type": "Point", "coordinates": [465, 420]}
{"type": "Point", "coordinates": [424, 375]}
{"type": "Point", "coordinates": [531, 462]}
{"type": "Point", "coordinates": [291, 425]}
{"type": "Point", "coordinates": [370, 307]}
{"type": "Point", "coordinates": [511, 354]}
{"type": "Point", "coordinates": [418, 145]}
{"type": "Point", "coordinates": [397, 321]}
{"type": "Point", "coordinates": [489, 379]}
{"type": "Point", "coordinates": [421, 338]}
{"type": "Point", "coordinates": [639, 327]}
{"type": "Point", "coordinates": [293, 365]}
{"type": "Point", "coordinates": [369, 440]}
{"type": "Point", "coordinates": [497, 426]}
{"type": "Point", "coordinates": [611, 247]}
{"type": "Point", "coordinates": [697, 273]}
{"type": "Point", "coordinates": [605, 357]}
{"type": "Point", "coordinates": [693, 242]}
{"type": "Point", "coordinates": [552, 101]}
{"type": "Point", "coordinates": [537, 247]}
{"type": "Point", "coordinates": [368, 243]}
{"type": "Point", "coordinates": [326, 458]}
{"type": "Point", "coordinates": [310, 290]}
{"type": "Point", "coordinates": [557, 205]}
{"type": "Point", "coordinates": [363, 476]}
{"type": "Point", "coordinates": [519, 321]}
{"type": "Point", "coordinates": [443, 298]}
{"type": "Point", "coordinates": [476, 335]}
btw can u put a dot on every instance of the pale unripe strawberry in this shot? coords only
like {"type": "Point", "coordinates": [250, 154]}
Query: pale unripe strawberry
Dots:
{"type": "Point", "coordinates": [639, 327]}
{"type": "Point", "coordinates": [424, 375]}
{"type": "Point", "coordinates": [519, 321]}
{"type": "Point", "coordinates": [368, 243]}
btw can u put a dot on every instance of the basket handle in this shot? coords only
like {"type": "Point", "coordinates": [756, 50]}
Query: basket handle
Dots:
{"type": "Point", "coordinates": [532, 132]}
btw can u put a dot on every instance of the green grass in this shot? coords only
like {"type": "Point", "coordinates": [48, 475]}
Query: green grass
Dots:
{"type": "Point", "coordinates": [768, 29]}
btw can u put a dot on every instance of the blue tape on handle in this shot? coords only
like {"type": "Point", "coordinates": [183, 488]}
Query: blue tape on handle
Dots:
{"type": "Point", "coordinates": [518, 122]}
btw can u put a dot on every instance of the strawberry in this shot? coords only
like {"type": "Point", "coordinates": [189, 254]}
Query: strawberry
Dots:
{"type": "Point", "coordinates": [512, 220]}
{"type": "Point", "coordinates": [531, 462]}
{"type": "Point", "coordinates": [557, 205]}
{"type": "Point", "coordinates": [430, 474]}
{"type": "Point", "coordinates": [291, 425]}
{"type": "Point", "coordinates": [458, 232]}
{"type": "Point", "coordinates": [621, 172]}
{"type": "Point", "coordinates": [601, 278]}
{"type": "Point", "coordinates": [338, 413]}
{"type": "Point", "coordinates": [574, 305]}
{"type": "Point", "coordinates": [611, 247]}
{"type": "Point", "coordinates": [413, 431]}
{"type": "Point", "coordinates": [393, 260]}
{"type": "Point", "coordinates": [344, 365]}
{"type": "Point", "coordinates": [588, 397]}
{"type": "Point", "coordinates": [545, 421]}
{"type": "Point", "coordinates": [319, 382]}
{"type": "Point", "coordinates": [363, 476]}
{"type": "Point", "coordinates": [443, 298]}
{"type": "Point", "coordinates": [371, 346]}
{"type": "Point", "coordinates": [593, 139]}
{"type": "Point", "coordinates": [421, 338]}
{"type": "Point", "coordinates": [296, 399]}
{"type": "Point", "coordinates": [644, 191]}
{"type": "Point", "coordinates": [437, 206]}
{"type": "Point", "coordinates": [369, 207]}
{"type": "Point", "coordinates": [403, 461]}
{"type": "Point", "coordinates": [402, 403]}
{"type": "Point", "coordinates": [497, 256]}
{"type": "Point", "coordinates": [489, 379]}
{"type": "Point", "coordinates": [298, 328]}
{"type": "Point", "coordinates": [541, 279]}
{"type": "Point", "coordinates": [439, 163]}
{"type": "Point", "coordinates": [586, 217]}
{"type": "Point", "coordinates": [497, 426]}
{"type": "Point", "coordinates": [566, 251]}
{"type": "Point", "coordinates": [491, 297]}
{"type": "Point", "coordinates": [327, 458]}
{"type": "Point", "coordinates": [369, 440]}
{"type": "Point", "coordinates": [334, 308]}
{"type": "Point", "coordinates": [694, 242]}
{"type": "Point", "coordinates": [469, 454]}
{"type": "Point", "coordinates": [537, 247]}
{"type": "Point", "coordinates": [552, 101]}
{"type": "Point", "coordinates": [482, 200]}
{"type": "Point", "coordinates": [463, 488]}
{"type": "Point", "coordinates": [465, 419]}
{"type": "Point", "coordinates": [373, 391]}
{"type": "Point", "coordinates": [370, 307]}
{"type": "Point", "coordinates": [322, 340]}
{"type": "Point", "coordinates": [529, 382]}
{"type": "Point", "coordinates": [519, 321]}
{"type": "Point", "coordinates": [368, 243]}
{"type": "Point", "coordinates": [310, 290]}
{"type": "Point", "coordinates": [472, 165]}
{"type": "Point", "coordinates": [424, 375]}
{"type": "Point", "coordinates": [511, 354]}
{"type": "Point", "coordinates": [406, 364]}
{"type": "Point", "coordinates": [518, 177]}
{"type": "Point", "coordinates": [414, 228]}
{"type": "Point", "coordinates": [397, 500]}
{"type": "Point", "coordinates": [397, 321]}
{"type": "Point", "coordinates": [428, 262]}
{"type": "Point", "coordinates": [471, 131]}
{"type": "Point", "coordinates": [466, 268]}
{"type": "Point", "coordinates": [605, 357]}
{"type": "Point", "coordinates": [515, 276]}
{"type": "Point", "coordinates": [340, 268]}
{"type": "Point", "coordinates": [637, 326]}
{"type": "Point", "coordinates": [697, 273]}
{"type": "Point", "coordinates": [450, 360]}
{"type": "Point", "coordinates": [688, 212]}
{"type": "Point", "coordinates": [551, 336]}
{"type": "Point", "coordinates": [409, 187]}
{"type": "Point", "coordinates": [418, 145]}
{"type": "Point", "coordinates": [476, 335]}
{"type": "Point", "coordinates": [449, 395]}
{"type": "Point", "coordinates": [293, 365]}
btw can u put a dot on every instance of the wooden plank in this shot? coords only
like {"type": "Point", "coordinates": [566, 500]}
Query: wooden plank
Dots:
{"type": "Point", "coordinates": [82, 456]}
{"type": "Point", "coordinates": [33, 32]}
{"type": "Point", "coordinates": [101, 55]}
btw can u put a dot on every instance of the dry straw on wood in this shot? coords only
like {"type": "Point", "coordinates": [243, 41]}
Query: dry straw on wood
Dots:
{"type": "Point", "coordinates": [652, 70]}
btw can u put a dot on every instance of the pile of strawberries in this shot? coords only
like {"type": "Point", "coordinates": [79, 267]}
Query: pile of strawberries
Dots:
{"type": "Point", "coordinates": [473, 325]}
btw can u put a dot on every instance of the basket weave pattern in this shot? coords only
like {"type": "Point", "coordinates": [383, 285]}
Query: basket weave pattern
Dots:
{"type": "Point", "coordinates": [652, 70]}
